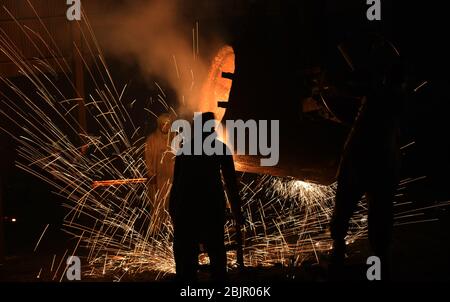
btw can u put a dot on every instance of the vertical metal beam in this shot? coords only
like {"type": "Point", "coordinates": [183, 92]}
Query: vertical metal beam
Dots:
{"type": "Point", "coordinates": [78, 73]}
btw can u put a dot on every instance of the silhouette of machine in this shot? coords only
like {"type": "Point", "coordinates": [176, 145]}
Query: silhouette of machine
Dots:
{"type": "Point", "coordinates": [301, 66]}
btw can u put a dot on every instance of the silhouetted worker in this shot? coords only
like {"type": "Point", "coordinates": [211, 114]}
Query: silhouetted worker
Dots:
{"type": "Point", "coordinates": [197, 206]}
{"type": "Point", "coordinates": [370, 161]}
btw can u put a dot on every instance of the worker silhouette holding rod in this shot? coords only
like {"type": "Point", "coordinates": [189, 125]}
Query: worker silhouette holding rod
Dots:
{"type": "Point", "coordinates": [371, 159]}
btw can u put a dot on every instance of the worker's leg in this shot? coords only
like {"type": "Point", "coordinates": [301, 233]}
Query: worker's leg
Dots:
{"type": "Point", "coordinates": [215, 247]}
{"type": "Point", "coordinates": [381, 224]}
{"type": "Point", "coordinates": [349, 192]}
{"type": "Point", "coordinates": [380, 196]}
{"type": "Point", "coordinates": [185, 250]}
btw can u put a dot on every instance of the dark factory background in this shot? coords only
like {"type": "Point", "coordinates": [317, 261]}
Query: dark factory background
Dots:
{"type": "Point", "coordinates": [285, 41]}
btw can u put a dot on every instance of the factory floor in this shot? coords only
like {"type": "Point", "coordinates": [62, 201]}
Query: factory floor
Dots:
{"type": "Point", "coordinates": [419, 255]}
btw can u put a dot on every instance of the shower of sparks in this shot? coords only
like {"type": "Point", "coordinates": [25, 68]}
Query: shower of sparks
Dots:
{"type": "Point", "coordinates": [40, 238]}
{"type": "Point", "coordinates": [124, 228]}
{"type": "Point", "coordinates": [287, 220]}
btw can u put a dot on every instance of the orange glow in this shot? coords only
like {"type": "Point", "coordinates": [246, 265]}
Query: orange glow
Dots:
{"type": "Point", "coordinates": [217, 89]}
{"type": "Point", "coordinates": [117, 182]}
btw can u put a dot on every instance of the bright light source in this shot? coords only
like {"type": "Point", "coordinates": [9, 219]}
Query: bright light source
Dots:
{"type": "Point", "coordinates": [13, 219]}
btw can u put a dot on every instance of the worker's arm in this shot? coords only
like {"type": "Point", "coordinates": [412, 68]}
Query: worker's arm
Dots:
{"type": "Point", "coordinates": [174, 195]}
{"type": "Point", "coordinates": [229, 175]}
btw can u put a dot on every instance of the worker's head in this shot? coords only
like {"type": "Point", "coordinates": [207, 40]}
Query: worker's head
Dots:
{"type": "Point", "coordinates": [202, 119]}
{"type": "Point", "coordinates": [164, 123]}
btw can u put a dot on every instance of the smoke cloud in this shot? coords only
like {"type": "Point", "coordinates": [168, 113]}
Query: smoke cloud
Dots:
{"type": "Point", "coordinates": [158, 37]}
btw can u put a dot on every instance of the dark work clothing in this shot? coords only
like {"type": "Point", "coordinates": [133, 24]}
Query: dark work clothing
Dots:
{"type": "Point", "coordinates": [186, 251]}
{"type": "Point", "coordinates": [370, 166]}
{"type": "Point", "coordinates": [197, 208]}
{"type": "Point", "coordinates": [371, 159]}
